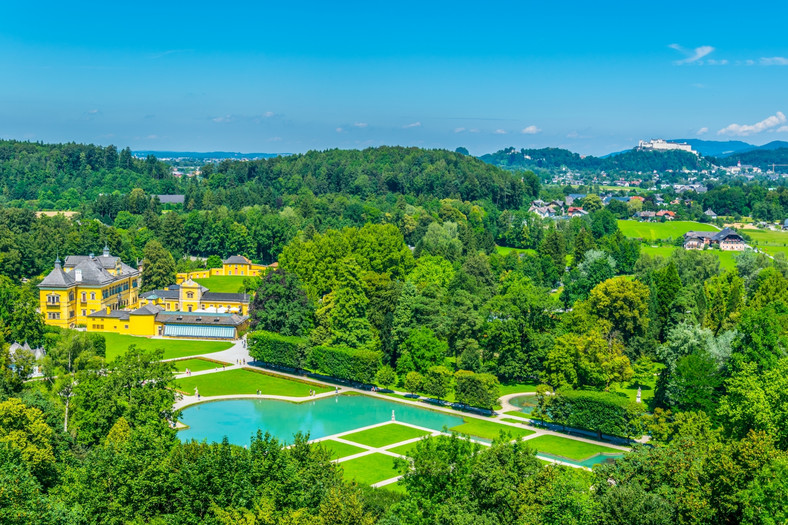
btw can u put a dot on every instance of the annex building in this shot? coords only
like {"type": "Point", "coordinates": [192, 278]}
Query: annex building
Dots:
{"type": "Point", "coordinates": [236, 265]}
{"type": "Point", "coordinates": [102, 295]}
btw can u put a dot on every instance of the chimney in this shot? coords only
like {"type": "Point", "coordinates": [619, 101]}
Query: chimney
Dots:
{"type": "Point", "coordinates": [78, 275]}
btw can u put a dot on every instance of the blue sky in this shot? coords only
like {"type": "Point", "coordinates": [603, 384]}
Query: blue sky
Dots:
{"type": "Point", "coordinates": [593, 77]}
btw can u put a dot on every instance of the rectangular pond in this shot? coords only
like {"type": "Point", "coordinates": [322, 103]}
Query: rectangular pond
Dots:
{"type": "Point", "coordinates": [239, 419]}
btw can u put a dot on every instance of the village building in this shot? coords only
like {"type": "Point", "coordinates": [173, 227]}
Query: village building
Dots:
{"type": "Point", "coordinates": [710, 214]}
{"type": "Point", "coordinates": [726, 240]}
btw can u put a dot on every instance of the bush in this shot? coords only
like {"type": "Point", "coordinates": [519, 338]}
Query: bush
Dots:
{"type": "Point", "coordinates": [437, 381]}
{"type": "Point", "coordinates": [478, 390]}
{"type": "Point", "coordinates": [601, 412]}
{"type": "Point", "coordinates": [345, 363]}
{"type": "Point", "coordinates": [277, 349]}
{"type": "Point", "coordinates": [414, 382]}
{"type": "Point", "coordinates": [386, 376]}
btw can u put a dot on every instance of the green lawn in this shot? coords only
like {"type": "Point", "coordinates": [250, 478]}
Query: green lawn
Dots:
{"type": "Point", "coordinates": [505, 250]}
{"type": "Point", "coordinates": [369, 469]}
{"type": "Point", "coordinates": [771, 242]}
{"type": "Point", "coordinates": [727, 261]}
{"type": "Point", "coordinates": [339, 449]}
{"type": "Point", "coordinates": [652, 231]}
{"type": "Point", "coordinates": [385, 435]}
{"type": "Point", "coordinates": [405, 450]}
{"type": "Point", "coordinates": [568, 448]}
{"type": "Point", "coordinates": [662, 251]}
{"type": "Point", "coordinates": [517, 388]}
{"type": "Point", "coordinates": [516, 413]}
{"type": "Point", "coordinates": [223, 283]}
{"type": "Point", "coordinates": [245, 381]}
{"type": "Point", "coordinates": [197, 364]}
{"type": "Point", "coordinates": [488, 429]}
{"type": "Point", "coordinates": [395, 487]}
{"type": "Point", "coordinates": [117, 344]}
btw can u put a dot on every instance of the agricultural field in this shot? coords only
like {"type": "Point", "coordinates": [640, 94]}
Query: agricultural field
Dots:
{"type": "Point", "coordinates": [652, 231]}
{"type": "Point", "coordinates": [117, 344]}
{"type": "Point", "coordinates": [223, 283]}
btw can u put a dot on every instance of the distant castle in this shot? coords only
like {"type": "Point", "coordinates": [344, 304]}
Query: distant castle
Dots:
{"type": "Point", "coordinates": [663, 145]}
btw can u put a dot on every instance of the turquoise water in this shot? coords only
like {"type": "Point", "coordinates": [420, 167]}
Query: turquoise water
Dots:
{"type": "Point", "coordinates": [525, 403]}
{"type": "Point", "coordinates": [597, 459]}
{"type": "Point", "coordinates": [239, 419]}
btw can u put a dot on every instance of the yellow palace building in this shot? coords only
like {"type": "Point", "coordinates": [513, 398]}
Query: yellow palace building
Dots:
{"type": "Point", "coordinates": [236, 265]}
{"type": "Point", "coordinates": [102, 294]}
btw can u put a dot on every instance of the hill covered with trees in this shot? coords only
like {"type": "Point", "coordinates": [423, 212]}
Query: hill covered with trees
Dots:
{"type": "Point", "coordinates": [633, 160]}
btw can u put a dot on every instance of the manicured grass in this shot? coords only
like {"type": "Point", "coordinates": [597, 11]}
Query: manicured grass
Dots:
{"type": "Point", "coordinates": [385, 435]}
{"type": "Point", "coordinates": [246, 381]}
{"type": "Point", "coordinates": [651, 231]}
{"type": "Point", "coordinates": [369, 469]}
{"type": "Point", "coordinates": [488, 429]}
{"type": "Point", "coordinates": [117, 344]}
{"type": "Point", "coordinates": [197, 364]}
{"type": "Point", "coordinates": [569, 448]}
{"type": "Point", "coordinates": [395, 487]}
{"type": "Point", "coordinates": [223, 283]}
{"type": "Point", "coordinates": [510, 420]}
{"type": "Point", "coordinates": [516, 413]}
{"type": "Point", "coordinates": [504, 250]}
{"type": "Point", "coordinates": [770, 242]}
{"type": "Point", "coordinates": [405, 450]}
{"type": "Point", "coordinates": [339, 449]}
{"type": "Point", "coordinates": [517, 388]}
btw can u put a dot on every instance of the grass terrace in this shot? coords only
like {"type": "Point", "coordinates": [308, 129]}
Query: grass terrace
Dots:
{"type": "Point", "coordinates": [385, 435]}
{"type": "Point", "coordinates": [653, 231]}
{"type": "Point", "coordinates": [117, 344]}
{"type": "Point", "coordinates": [369, 469]}
{"type": "Point", "coordinates": [488, 429]}
{"type": "Point", "coordinates": [340, 450]}
{"type": "Point", "coordinates": [569, 448]}
{"type": "Point", "coordinates": [246, 381]}
{"type": "Point", "coordinates": [197, 364]}
{"type": "Point", "coordinates": [223, 283]}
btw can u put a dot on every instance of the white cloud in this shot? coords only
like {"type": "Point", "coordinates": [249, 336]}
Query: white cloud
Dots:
{"type": "Point", "coordinates": [412, 125]}
{"type": "Point", "coordinates": [530, 130]}
{"type": "Point", "coordinates": [152, 137]}
{"type": "Point", "coordinates": [360, 124]}
{"type": "Point", "coordinates": [702, 131]}
{"type": "Point", "coordinates": [500, 132]}
{"type": "Point", "coordinates": [473, 130]}
{"type": "Point", "coordinates": [459, 130]}
{"type": "Point", "coordinates": [340, 130]}
{"type": "Point", "coordinates": [782, 129]}
{"type": "Point", "coordinates": [226, 118]}
{"type": "Point", "coordinates": [275, 139]}
{"type": "Point", "coordinates": [694, 55]}
{"type": "Point", "coordinates": [742, 130]}
{"type": "Point", "coordinates": [774, 61]}
{"type": "Point", "coordinates": [269, 114]}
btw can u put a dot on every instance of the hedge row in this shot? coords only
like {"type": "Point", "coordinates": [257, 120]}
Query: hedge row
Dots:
{"type": "Point", "coordinates": [278, 350]}
{"type": "Point", "coordinates": [601, 412]}
{"type": "Point", "coordinates": [345, 363]}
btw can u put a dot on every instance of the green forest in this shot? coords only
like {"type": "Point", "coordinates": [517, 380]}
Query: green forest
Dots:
{"type": "Point", "coordinates": [390, 275]}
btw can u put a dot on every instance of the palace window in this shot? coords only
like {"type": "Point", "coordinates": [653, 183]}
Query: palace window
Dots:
{"type": "Point", "coordinates": [84, 297]}
{"type": "Point", "coordinates": [84, 312]}
{"type": "Point", "coordinates": [190, 295]}
{"type": "Point", "coordinates": [92, 296]}
{"type": "Point", "coordinates": [53, 299]}
{"type": "Point", "coordinates": [53, 315]}
{"type": "Point", "coordinates": [70, 296]}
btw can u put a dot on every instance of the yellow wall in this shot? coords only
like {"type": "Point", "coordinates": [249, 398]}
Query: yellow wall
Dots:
{"type": "Point", "coordinates": [77, 302]}
{"type": "Point", "coordinates": [144, 325]}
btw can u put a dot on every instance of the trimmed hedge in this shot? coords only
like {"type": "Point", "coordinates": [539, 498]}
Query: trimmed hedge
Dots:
{"type": "Point", "coordinates": [277, 349]}
{"type": "Point", "coordinates": [345, 363]}
{"type": "Point", "coordinates": [600, 412]}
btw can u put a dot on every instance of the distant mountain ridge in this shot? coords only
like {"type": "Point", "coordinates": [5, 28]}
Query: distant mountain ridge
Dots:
{"type": "Point", "coordinates": [233, 155]}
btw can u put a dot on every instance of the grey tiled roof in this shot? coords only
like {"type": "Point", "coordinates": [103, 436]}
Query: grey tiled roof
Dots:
{"type": "Point", "coordinates": [225, 296]}
{"type": "Point", "coordinates": [148, 309]}
{"type": "Point", "coordinates": [57, 278]}
{"type": "Point", "coordinates": [164, 294]}
{"type": "Point", "coordinates": [237, 259]}
{"type": "Point", "coordinates": [206, 318]}
{"type": "Point", "coordinates": [122, 315]}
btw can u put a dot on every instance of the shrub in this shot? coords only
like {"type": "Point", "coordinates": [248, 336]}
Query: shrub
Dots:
{"type": "Point", "coordinates": [277, 349]}
{"type": "Point", "coordinates": [414, 382]}
{"type": "Point", "coordinates": [601, 412]}
{"type": "Point", "coordinates": [345, 363]}
{"type": "Point", "coordinates": [478, 390]}
{"type": "Point", "coordinates": [437, 381]}
{"type": "Point", "coordinates": [386, 376]}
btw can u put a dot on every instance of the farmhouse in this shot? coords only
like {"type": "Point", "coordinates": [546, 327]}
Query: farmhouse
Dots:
{"type": "Point", "coordinates": [726, 240]}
